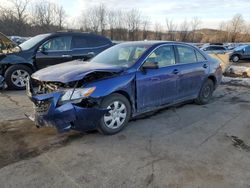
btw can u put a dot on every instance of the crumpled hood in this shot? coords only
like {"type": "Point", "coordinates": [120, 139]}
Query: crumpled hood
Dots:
{"type": "Point", "coordinates": [7, 46]}
{"type": "Point", "coordinates": [5, 39]}
{"type": "Point", "coordinates": [72, 71]}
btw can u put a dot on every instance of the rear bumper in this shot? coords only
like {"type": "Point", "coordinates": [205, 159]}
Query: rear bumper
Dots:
{"type": "Point", "coordinates": [65, 117]}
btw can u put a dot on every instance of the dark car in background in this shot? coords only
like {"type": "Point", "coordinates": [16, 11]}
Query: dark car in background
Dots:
{"type": "Point", "coordinates": [48, 49]}
{"type": "Point", "coordinates": [240, 52]}
{"type": "Point", "coordinates": [218, 49]}
{"type": "Point", "coordinates": [122, 82]}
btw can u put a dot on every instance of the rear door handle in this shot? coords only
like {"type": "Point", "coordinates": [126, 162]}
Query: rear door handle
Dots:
{"type": "Point", "coordinates": [205, 66]}
{"type": "Point", "coordinates": [66, 56]}
{"type": "Point", "coordinates": [176, 71]}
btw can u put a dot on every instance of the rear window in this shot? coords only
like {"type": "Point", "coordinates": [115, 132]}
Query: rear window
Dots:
{"type": "Point", "coordinates": [186, 54]}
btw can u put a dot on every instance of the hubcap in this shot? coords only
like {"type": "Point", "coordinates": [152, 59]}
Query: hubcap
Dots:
{"type": "Point", "coordinates": [116, 115]}
{"type": "Point", "coordinates": [236, 58]}
{"type": "Point", "coordinates": [19, 78]}
{"type": "Point", "coordinates": [206, 92]}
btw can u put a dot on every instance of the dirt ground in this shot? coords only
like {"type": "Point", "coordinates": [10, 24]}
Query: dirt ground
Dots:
{"type": "Point", "coordinates": [184, 146]}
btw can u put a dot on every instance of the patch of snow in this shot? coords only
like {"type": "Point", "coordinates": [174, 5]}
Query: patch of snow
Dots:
{"type": "Point", "coordinates": [239, 70]}
{"type": "Point", "coordinates": [236, 81]}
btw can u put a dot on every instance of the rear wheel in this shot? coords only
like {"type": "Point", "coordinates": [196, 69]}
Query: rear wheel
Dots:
{"type": "Point", "coordinates": [235, 58]}
{"type": "Point", "coordinates": [118, 115]}
{"type": "Point", "coordinates": [206, 92]}
{"type": "Point", "coordinates": [16, 76]}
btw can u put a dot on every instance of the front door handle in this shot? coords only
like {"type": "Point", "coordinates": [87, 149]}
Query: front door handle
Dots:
{"type": "Point", "coordinates": [155, 79]}
{"type": "Point", "coordinates": [176, 71]}
{"type": "Point", "coordinates": [91, 53]}
{"type": "Point", "coordinates": [66, 56]}
{"type": "Point", "coordinates": [205, 66]}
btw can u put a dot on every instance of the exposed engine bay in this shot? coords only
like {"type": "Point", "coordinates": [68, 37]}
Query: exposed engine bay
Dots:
{"type": "Point", "coordinates": [48, 87]}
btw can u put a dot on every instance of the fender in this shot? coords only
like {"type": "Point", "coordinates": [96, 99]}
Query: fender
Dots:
{"type": "Point", "coordinates": [124, 83]}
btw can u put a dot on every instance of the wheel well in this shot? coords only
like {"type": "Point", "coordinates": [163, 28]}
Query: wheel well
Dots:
{"type": "Point", "coordinates": [125, 94]}
{"type": "Point", "coordinates": [25, 64]}
{"type": "Point", "coordinates": [236, 55]}
{"type": "Point", "coordinates": [213, 79]}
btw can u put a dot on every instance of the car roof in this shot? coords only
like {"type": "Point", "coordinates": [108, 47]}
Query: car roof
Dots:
{"type": "Point", "coordinates": [155, 42]}
{"type": "Point", "coordinates": [73, 33]}
{"type": "Point", "coordinates": [215, 46]}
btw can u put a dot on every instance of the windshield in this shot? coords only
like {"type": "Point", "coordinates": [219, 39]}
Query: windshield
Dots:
{"type": "Point", "coordinates": [124, 55]}
{"type": "Point", "coordinates": [33, 41]}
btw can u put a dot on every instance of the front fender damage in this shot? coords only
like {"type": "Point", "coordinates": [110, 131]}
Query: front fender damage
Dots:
{"type": "Point", "coordinates": [65, 117]}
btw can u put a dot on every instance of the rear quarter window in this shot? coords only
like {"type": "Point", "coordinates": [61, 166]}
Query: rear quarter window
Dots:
{"type": "Point", "coordinates": [199, 56]}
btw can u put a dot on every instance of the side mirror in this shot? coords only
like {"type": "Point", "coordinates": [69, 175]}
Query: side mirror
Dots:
{"type": "Point", "coordinates": [90, 55]}
{"type": "Point", "coordinates": [42, 49]}
{"type": "Point", "coordinates": [150, 65]}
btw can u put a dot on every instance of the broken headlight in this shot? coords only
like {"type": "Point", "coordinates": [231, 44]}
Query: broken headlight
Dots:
{"type": "Point", "coordinates": [76, 95]}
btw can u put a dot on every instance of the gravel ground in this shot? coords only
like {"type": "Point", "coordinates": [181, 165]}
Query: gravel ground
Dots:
{"type": "Point", "coordinates": [183, 146]}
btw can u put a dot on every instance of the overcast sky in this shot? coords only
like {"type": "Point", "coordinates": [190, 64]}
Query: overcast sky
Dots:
{"type": "Point", "coordinates": [211, 12]}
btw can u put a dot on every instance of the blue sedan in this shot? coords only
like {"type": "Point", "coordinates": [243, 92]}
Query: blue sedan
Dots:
{"type": "Point", "coordinates": [122, 82]}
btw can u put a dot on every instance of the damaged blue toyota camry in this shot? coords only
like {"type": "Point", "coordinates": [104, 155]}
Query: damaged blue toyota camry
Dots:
{"type": "Point", "coordinates": [122, 82]}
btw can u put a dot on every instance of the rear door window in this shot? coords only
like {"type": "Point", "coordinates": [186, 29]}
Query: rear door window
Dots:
{"type": "Point", "coordinates": [79, 42]}
{"type": "Point", "coordinates": [186, 54]}
{"type": "Point", "coordinates": [96, 41]}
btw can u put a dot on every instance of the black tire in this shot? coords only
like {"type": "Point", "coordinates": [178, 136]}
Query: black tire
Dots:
{"type": "Point", "coordinates": [235, 58]}
{"type": "Point", "coordinates": [103, 128]}
{"type": "Point", "coordinates": [206, 92]}
{"type": "Point", "coordinates": [11, 70]}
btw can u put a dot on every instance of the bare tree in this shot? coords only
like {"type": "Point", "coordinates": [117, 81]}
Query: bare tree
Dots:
{"type": "Point", "coordinates": [236, 25]}
{"type": "Point", "coordinates": [95, 19]}
{"type": "Point", "coordinates": [48, 16]}
{"type": "Point", "coordinates": [133, 21]}
{"type": "Point", "coordinates": [145, 27]}
{"type": "Point", "coordinates": [224, 32]}
{"type": "Point", "coordinates": [111, 22]}
{"type": "Point", "coordinates": [60, 16]}
{"type": "Point", "coordinates": [158, 31]}
{"type": "Point", "coordinates": [171, 29]}
{"type": "Point", "coordinates": [102, 14]}
{"type": "Point", "coordinates": [20, 8]}
{"type": "Point", "coordinates": [195, 24]}
{"type": "Point", "coordinates": [184, 31]}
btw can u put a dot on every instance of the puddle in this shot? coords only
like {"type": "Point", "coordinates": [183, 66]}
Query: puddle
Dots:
{"type": "Point", "coordinates": [20, 139]}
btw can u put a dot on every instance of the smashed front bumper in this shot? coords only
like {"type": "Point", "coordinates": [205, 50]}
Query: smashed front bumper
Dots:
{"type": "Point", "coordinates": [64, 117]}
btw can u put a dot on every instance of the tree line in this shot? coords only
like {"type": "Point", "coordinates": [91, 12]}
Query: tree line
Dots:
{"type": "Point", "coordinates": [28, 19]}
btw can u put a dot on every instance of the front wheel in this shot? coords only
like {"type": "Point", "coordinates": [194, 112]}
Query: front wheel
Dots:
{"type": "Point", "coordinates": [118, 115]}
{"type": "Point", "coordinates": [206, 92]}
{"type": "Point", "coordinates": [16, 76]}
